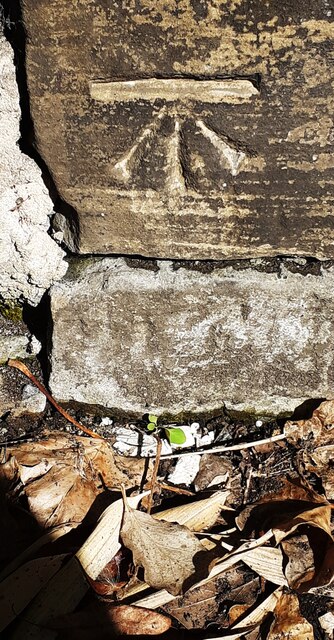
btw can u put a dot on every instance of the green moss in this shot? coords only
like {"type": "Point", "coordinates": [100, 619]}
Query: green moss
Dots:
{"type": "Point", "coordinates": [11, 311]}
{"type": "Point", "coordinates": [77, 266]}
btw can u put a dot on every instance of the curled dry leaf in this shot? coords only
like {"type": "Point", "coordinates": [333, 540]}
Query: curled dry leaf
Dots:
{"type": "Point", "coordinates": [300, 567]}
{"type": "Point", "coordinates": [252, 619]}
{"type": "Point", "coordinates": [169, 553]}
{"type": "Point", "coordinates": [288, 622]}
{"type": "Point", "coordinates": [318, 434]}
{"type": "Point", "coordinates": [320, 427]}
{"type": "Point", "coordinates": [61, 476]}
{"type": "Point", "coordinates": [111, 621]}
{"type": "Point", "coordinates": [297, 510]}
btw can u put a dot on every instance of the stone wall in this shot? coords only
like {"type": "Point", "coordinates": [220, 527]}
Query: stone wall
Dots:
{"type": "Point", "coordinates": [192, 148]}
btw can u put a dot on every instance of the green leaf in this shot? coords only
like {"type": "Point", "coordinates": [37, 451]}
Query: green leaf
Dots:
{"type": "Point", "coordinates": [151, 426]}
{"type": "Point", "coordinates": [176, 436]}
{"type": "Point", "coordinates": [152, 418]}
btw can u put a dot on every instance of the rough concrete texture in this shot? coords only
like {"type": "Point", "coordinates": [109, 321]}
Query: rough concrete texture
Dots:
{"type": "Point", "coordinates": [30, 261]}
{"type": "Point", "coordinates": [192, 129]}
{"type": "Point", "coordinates": [184, 341]}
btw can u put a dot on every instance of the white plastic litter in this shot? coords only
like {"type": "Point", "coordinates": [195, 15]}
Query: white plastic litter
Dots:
{"type": "Point", "coordinates": [186, 470]}
{"type": "Point", "coordinates": [130, 442]}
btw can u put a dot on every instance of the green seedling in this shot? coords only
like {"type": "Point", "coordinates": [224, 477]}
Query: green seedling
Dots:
{"type": "Point", "coordinates": [152, 422]}
{"type": "Point", "coordinates": [175, 435]}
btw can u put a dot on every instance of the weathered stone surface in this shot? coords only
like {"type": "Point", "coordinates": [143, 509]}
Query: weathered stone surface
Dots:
{"type": "Point", "coordinates": [194, 129]}
{"type": "Point", "coordinates": [30, 261]}
{"type": "Point", "coordinates": [15, 342]}
{"type": "Point", "coordinates": [165, 340]}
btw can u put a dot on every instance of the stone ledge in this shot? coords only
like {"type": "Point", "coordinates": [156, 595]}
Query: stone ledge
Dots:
{"type": "Point", "coordinates": [183, 341]}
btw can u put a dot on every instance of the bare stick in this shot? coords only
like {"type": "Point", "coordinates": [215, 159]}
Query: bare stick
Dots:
{"type": "Point", "coordinates": [154, 474]}
{"type": "Point", "coordinates": [16, 364]}
{"type": "Point", "coordinates": [169, 487]}
{"type": "Point", "coordinates": [235, 447]}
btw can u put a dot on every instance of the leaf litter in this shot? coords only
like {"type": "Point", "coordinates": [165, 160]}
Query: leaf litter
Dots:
{"type": "Point", "coordinates": [243, 557]}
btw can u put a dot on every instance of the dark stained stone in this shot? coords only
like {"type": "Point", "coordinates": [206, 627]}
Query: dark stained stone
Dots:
{"type": "Point", "coordinates": [198, 129]}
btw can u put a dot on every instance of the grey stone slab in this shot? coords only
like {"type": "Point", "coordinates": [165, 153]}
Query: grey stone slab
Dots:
{"type": "Point", "coordinates": [177, 341]}
{"type": "Point", "coordinates": [200, 129]}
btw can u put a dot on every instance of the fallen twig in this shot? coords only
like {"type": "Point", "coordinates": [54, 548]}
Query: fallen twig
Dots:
{"type": "Point", "coordinates": [234, 447]}
{"type": "Point", "coordinates": [154, 474]}
{"type": "Point", "coordinates": [16, 364]}
{"type": "Point", "coordinates": [170, 487]}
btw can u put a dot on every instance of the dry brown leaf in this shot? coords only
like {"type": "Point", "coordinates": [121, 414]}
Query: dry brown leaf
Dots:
{"type": "Point", "coordinates": [319, 426]}
{"type": "Point", "coordinates": [169, 553]}
{"type": "Point", "coordinates": [215, 468]}
{"type": "Point", "coordinates": [278, 509]}
{"type": "Point", "coordinates": [318, 432]}
{"type": "Point", "coordinates": [300, 566]}
{"type": "Point", "coordinates": [197, 607]}
{"type": "Point", "coordinates": [247, 552]}
{"type": "Point", "coordinates": [288, 622]}
{"type": "Point", "coordinates": [62, 475]}
{"type": "Point", "coordinates": [253, 619]}
{"type": "Point", "coordinates": [202, 605]}
{"type": "Point", "coordinates": [110, 621]}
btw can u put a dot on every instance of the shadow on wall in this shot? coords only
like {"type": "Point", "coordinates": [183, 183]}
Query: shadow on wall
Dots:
{"type": "Point", "coordinates": [14, 31]}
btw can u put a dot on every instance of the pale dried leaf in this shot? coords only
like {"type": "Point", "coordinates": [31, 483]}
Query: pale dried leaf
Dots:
{"type": "Point", "coordinates": [268, 563]}
{"type": "Point", "coordinates": [55, 600]}
{"type": "Point", "coordinates": [288, 622]}
{"type": "Point", "coordinates": [18, 589]}
{"type": "Point", "coordinates": [167, 552]}
{"type": "Point", "coordinates": [197, 516]}
{"type": "Point", "coordinates": [103, 543]}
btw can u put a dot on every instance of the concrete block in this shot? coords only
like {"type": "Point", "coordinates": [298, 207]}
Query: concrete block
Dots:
{"type": "Point", "coordinates": [176, 341]}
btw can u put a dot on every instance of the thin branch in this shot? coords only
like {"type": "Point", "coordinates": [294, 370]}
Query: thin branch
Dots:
{"type": "Point", "coordinates": [16, 364]}
{"type": "Point", "coordinates": [154, 473]}
{"type": "Point", "coordinates": [235, 447]}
